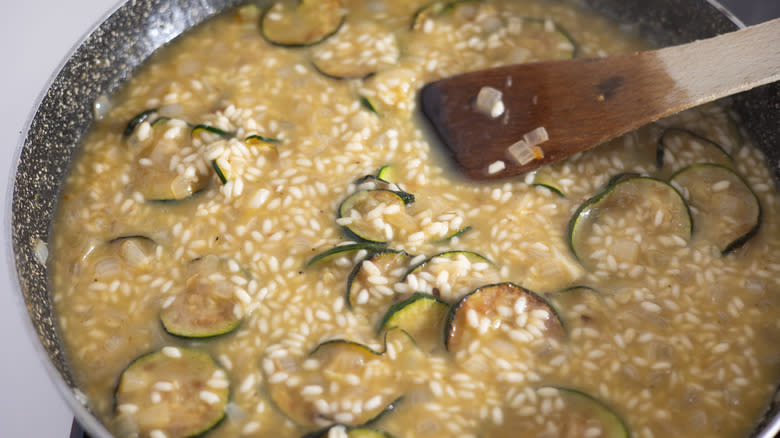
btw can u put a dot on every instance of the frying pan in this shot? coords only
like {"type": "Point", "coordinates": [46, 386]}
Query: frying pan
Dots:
{"type": "Point", "coordinates": [137, 28]}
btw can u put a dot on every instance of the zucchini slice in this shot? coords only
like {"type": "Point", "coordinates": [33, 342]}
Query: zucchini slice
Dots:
{"type": "Point", "coordinates": [582, 410]}
{"type": "Point", "coordinates": [368, 104]}
{"type": "Point", "coordinates": [575, 413]}
{"type": "Point", "coordinates": [356, 432]}
{"type": "Point", "coordinates": [422, 316]}
{"type": "Point", "coordinates": [504, 320]}
{"type": "Point", "coordinates": [388, 173]}
{"type": "Point", "coordinates": [155, 178]}
{"type": "Point", "coordinates": [633, 218]}
{"type": "Point", "coordinates": [147, 115]}
{"type": "Point", "coordinates": [203, 130]}
{"type": "Point", "coordinates": [726, 211]}
{"type": "Point", "coordinates": [365, 432]}
{"type": "Point", "coordinates": [305, 23]}
{"type": "Point", "coordinates": [369, 285]}
{"type": "Point", "coordinates": [356, 52]}
{"type": "Point", "coordinates": [362, 207]}
{"type": "Point", "coordinates": [558, 44]}
{"type": "Point", "coordinates": [680, 147]}
{"type": "Point", "coordinates": [179, 391]}
{"type": "Point", "coordinates": [344, 373]}
{"type": "Point", "coordinates": [433, 10]}
{"type": "Point", "coordinates": [341, 250]}
{"type": "Point", "coordinates": [208, 307]}
{"type": "Point", "coordinates": [545, 177]}
{"type": "Point", "coordinates": [456, 233]}
{"type": "Point", "coordinates": [258, 140]}
{"type": "Point", "coordinates": [451, 274]}
{"type": "Point", "coordinates": [371, 182]}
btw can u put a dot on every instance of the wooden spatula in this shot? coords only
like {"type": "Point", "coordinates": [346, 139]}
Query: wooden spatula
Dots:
{"type": "Point", "coordinates": [582, 103]}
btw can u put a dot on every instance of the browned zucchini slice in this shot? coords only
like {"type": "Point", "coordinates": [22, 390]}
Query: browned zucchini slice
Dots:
{"type": "Point", "coordinates": [178, 391]}
{"type": "Point", "coordinates": [301, 23]}
{"type": "Point", "coordinates": [209, 306]}
{"type": "Point", "coordinates": [157, 145]}
{"type": "Point", "coordinates": [450, 275]}
{"type": "Point", "coordinates": [365, 287]}
{"type": "Point", "coordinates": [502, 320]}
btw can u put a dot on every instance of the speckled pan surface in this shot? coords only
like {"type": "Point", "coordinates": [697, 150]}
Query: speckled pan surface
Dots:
{"type": "Point", "coordinates": [123, 41]}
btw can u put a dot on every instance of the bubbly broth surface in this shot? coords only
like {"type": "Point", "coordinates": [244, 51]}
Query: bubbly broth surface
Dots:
{"type": "Point", "coordinates": [565, 303]}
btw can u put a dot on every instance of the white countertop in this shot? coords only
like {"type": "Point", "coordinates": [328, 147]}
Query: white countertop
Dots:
{"type": "Point", "coordinates": [35, 36]}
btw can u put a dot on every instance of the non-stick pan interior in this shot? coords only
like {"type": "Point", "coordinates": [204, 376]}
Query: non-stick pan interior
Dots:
{"type": "Point", "coordinates": [135, 30]}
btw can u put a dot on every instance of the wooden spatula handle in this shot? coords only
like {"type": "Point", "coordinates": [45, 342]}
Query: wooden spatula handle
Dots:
{"type": "Point", "coordinates": [585, 102]}
{"type": "Point", "coordinates": [708, 69]}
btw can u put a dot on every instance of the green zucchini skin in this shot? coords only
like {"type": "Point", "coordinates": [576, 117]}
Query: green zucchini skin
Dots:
{"type": "Point", "coordinates": [751, 206]}
{"type": "Point", "coordinates": [725, 157]}
{"type": "Point", "coordinates": [371, 248]}
{"type": "Point", "coordinates": [137, 120]}
{"type": "Point", "coordinates": [472, 256]}
{"type": "Point", "coordinates": [613, 425]}
{"type": "Point", "coordinates": [422, 316]}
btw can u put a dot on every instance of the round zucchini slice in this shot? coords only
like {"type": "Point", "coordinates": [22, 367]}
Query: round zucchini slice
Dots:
{"type": "Point", "coordinates": [178, 391]}
{"type": "Point", "coordinates": [422, 316]}
{"type": "Point", "coordinates": [726, 211]}
{"type": "Point", "coordinates": [632, 219]}
{"type": "Point", "coordinates": [678, 147]}
{"type": "Point", "coordinates": [369, 285]}
{"type": "Point", "coordinates": [375, 215]}
{"type": "Point", "coordinates": [356, 52]}
{"type": "Point", "coordinates": [209, 306]}
{"type": "Point", "coordinates": [501, 320]}
{"type": "Point", "coordinates": [336, 375]}
{"type": "Point", "coordinates": [451, 274]}
{"type": "Point", "coordinates": [167, 140]}
{"type": "Point", "coordinates": [303, 23]}
{"type": "Point", "coordinates": [574, 414]}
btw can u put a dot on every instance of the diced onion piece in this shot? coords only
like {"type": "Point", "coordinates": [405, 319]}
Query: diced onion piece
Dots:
{"type": "Point", "coordinates": [496, 167]}
{"type": "Point", "coordinates": [536, 137]}
{"type": "Point", "coordinates": [489, 101]}
{"type": "Point", "coordinates": [522, 152]}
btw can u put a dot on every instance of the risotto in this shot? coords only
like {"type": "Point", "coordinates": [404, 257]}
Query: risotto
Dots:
{"type": "Point", "coordinates": [261, 238]}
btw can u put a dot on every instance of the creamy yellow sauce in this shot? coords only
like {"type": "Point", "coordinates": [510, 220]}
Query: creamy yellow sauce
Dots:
{"type": "Point", "coordinates": [676, 340]}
